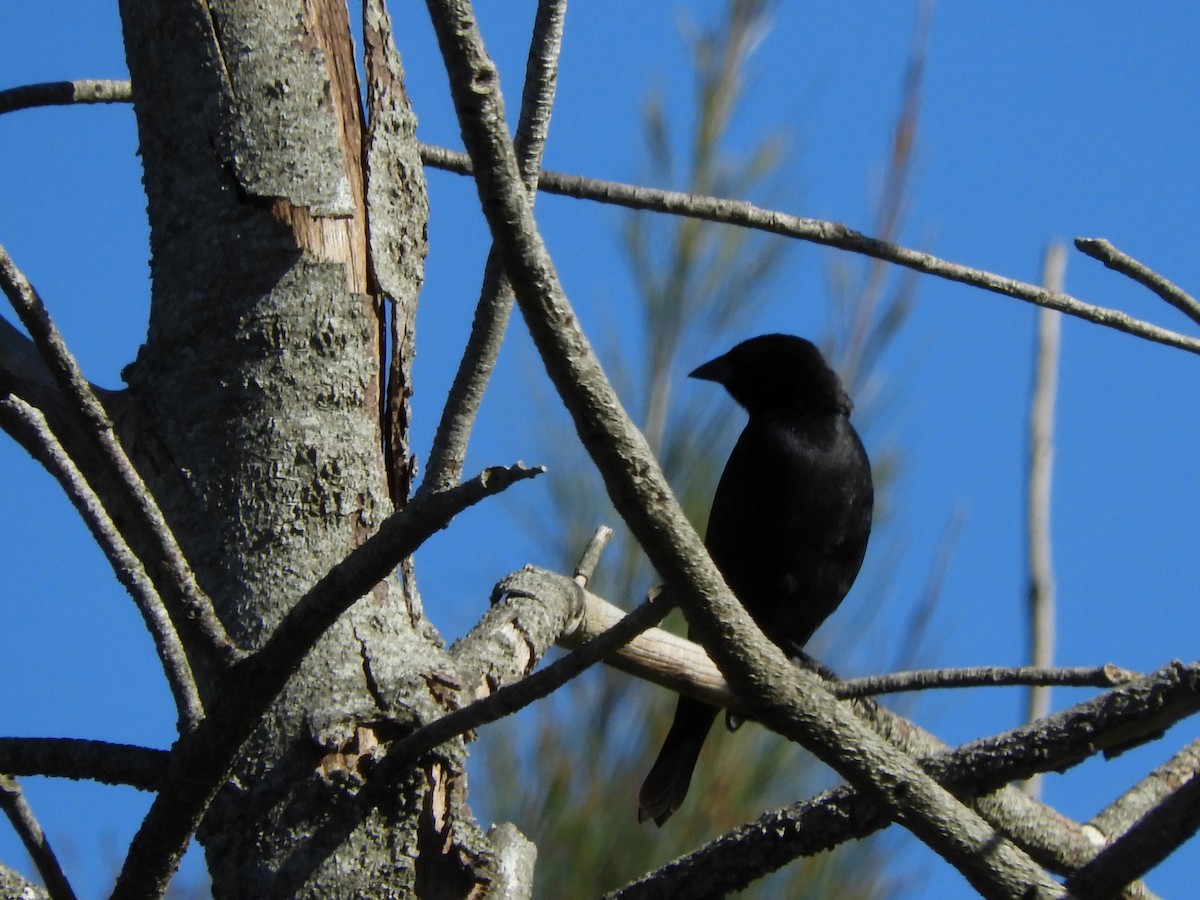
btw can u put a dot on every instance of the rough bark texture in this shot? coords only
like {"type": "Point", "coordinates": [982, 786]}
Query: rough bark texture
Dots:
{"type": "Point", "coordinates": [14, 887]}
{"type": "Point", "coordinates": [258, 418]}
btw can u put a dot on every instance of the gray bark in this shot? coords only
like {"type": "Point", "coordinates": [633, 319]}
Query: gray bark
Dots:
{"type": "Point", "coordinates": [14, 887]}
{"type": "Point", "coordinates": [258, 415]}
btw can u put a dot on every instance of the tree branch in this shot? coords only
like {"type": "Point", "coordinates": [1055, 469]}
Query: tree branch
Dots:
{"type": "Point", "coordinates": [516, 857]}
{"type": "Point", "coordinates": [776, 838]}
{"type": "Point", "coordinates": [1102, 250]}
{"type": "Point", "coordinates": [1153, 838]}
{"type": "Point", "coordinates": [973, 770]}
{"type": "Point", "coordinates": [79, 759]}
{"type": "Point", "coordinates": [1124, 812]}
{"type": "Point", "coordinates": [188, 603]}
{"type": "Point", "coordinates": [23, 374]}
{"type": "Point", "coordinates": [29, 426]}
{"type": "Point", "coordinates": [201, 760]}
{"type": "Point", "coordinates": [1136, 809]}
{"type": "Point", "coordinates": [65, 93]}
{"type": "Point", "coordinates": [981, 676]}
{"type": "Point", "coordinates": [678, 664]}
{"type": "Point", "coordinates": [516, 696]}
{"type": "Point", "coordinates": [828, 234]}
{"type": "Point", "coordinates": [789, 699]}
{"type": "Point", "coordinates": [449, 450]}
{"type": "Point", "coordinates": [36, 843]}
{"type": "Point", "coordinates": [590, 558]}
{"type": "Point", "coordinates": [1107, 722]}
{"type": "Point", "coordinates": [1040, 598]}
{"type": "Point", "coordinates": [1141, 706]}
{"type": "Point", "coordinates": [530, 610]}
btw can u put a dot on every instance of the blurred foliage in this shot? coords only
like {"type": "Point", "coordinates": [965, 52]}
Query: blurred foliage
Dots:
{"type": "Point", "coordinates": [568, 771]}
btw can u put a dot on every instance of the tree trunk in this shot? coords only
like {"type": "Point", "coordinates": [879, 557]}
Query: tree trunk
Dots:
{"type": "Point", "coordinates": [260, 415]}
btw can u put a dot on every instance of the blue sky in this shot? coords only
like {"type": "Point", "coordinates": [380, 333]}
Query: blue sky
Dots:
{"type": "Point", "coordinates": [1039, 122]}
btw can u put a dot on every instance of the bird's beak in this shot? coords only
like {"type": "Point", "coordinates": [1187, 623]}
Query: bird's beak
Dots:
{"type": "Point", "coordinates": [714, 370]}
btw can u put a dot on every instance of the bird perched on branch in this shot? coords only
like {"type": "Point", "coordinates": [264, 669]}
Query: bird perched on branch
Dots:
{"type": "Point", "coordinates": [789, 521]}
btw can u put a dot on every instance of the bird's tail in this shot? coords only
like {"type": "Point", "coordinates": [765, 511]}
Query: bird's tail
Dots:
{"type": "Point", "coordinates": [667, 784]}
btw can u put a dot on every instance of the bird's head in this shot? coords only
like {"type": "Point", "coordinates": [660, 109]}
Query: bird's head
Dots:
{"type": "Point", "coordinates": [777, 372]}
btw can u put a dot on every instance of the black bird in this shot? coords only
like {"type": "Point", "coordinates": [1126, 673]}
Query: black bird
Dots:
{"type": "Point", "coordinates": [789, 521]}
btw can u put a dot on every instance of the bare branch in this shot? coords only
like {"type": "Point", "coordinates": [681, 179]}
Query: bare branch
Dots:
{"type": "Point", "coordinates": [680, 665]}
{"type": "Point", "coordinates": [786, 697]}
{"type": "Point", "coordinates": [588, 560]}
{"type": "Point", "coordinates": [1153, 838]}
{"type": "Point", "coordinates": [541, 82]}
{"type": "Point", "coordinates": [981, 676]}
{"type": "Point", "coordinates": [1040, 469]}
{"type": "Point", "coordinates": [201, 760]}
{"type": "Point", "coordinates": [1124, 812]}
{"type": "Point", "coordinates": [1105, 252]}
{"type": "Point", "coordinates": [516, 696]}
{"type": "Point", "coordinates": [23, 374]}
{"type": "Point", "coordinates": [79, 759]}
{"type": "Point", "coordinates": [1113, 720]}
{"type": "Point", "coordinates": [657, 656]}
{"type": "Point", "coordinates": [776, 838]}
{"type": "Point", "coordinates": [449, 450]}
{"type": "Point", "coordinates": [197, 609]}
{"type": "Point", "coordinates": [674, 662]}
{"type": "Point", "coordinates": [36, 843]}
{"type": "Point", "coordinates": [28, 423]}
{"type": "Point", "coordinates": [529, 609]}
{"type": "Point", "coordinates": [972, 770]}
{"type": "Point", "coordinates": [829, 234]}
{"type": "Point", "coordinates": [65, 93]}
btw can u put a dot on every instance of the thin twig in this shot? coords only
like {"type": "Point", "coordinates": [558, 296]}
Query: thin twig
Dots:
{"type": "Point", "coordinates": [40, 441]}
{"type": "Point", "coordinates": [516, 696]}
{"type": "Point", "coordinates": [1120, 815]}
{"type": "Point", "coordinates": [588, 560]}
{"type": "Point", "coordinates": [202, 759]}
{"type": "Point", "coordinates": [1040, 600]}
{"type": "Point", "coordinates": [492, 312]}
{"type": "Point", "coordinates": [981, 676]}
{"type": "Point", "coordinates": [65, 93]}
{"type": "Point", "coordinates": [1105, 252]}
{"type": "Point", "coordinates": [829, 234]}
{"type": "Point", "coordinates": [1153, 838]}
{"type": "Point", "coordinates": [197, 609]}
{"type": "Point", "coordinates": [36, 843]}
